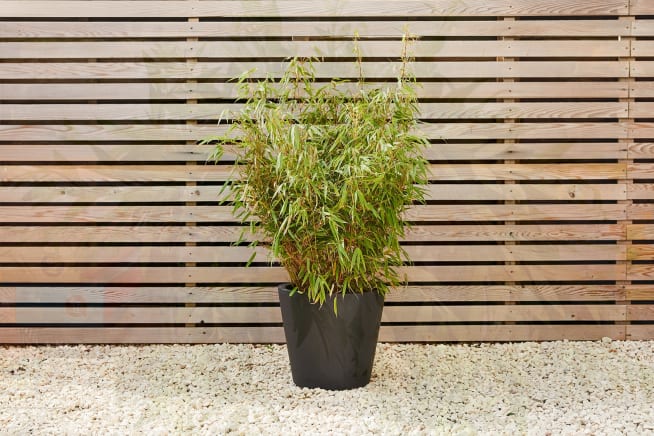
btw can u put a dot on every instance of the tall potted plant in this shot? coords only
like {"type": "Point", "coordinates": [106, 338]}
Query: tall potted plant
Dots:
{"type": "Point", "coordinates": [325, 171]}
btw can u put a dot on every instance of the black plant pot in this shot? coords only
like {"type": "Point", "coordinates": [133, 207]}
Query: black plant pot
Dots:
{"type": "Point", "coordinates": [328, 351]}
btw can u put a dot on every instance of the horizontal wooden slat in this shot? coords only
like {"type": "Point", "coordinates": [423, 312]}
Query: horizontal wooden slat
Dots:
{"type": "Point", "coordinates": [223, 233]}
{"type": "Point", "coordinates": [640, 231]}
{"type": "Point", "coordinates": [439, 151]}
{"type": "Point", "coordinates": [125, 234]}
{"type": "Point", "coordinates": [506, 232]}
{"type": "Point", "coordinates": [464, 273]}
{"type": "Point", "coordinates": [641, 27]}
{"type": "Point", "coordinates": [284, 49]}
{"type": "Point", "coordinates": [641, 211]}
{"type": "Point", "coordinates": [306, 8]}
{"type": "Point", "coordinates": [526, 192]}
{"type": "Point", "coordinates": [44, 255]}
{"type": "Point", "coordinates": [421, 253]}
{"type": "Point", "coordinates": [171, 173]}
{"type": "Point", "coordinates": [528, 171]}
{"type": "Point", "coordinates": [151, 335]}
{"type": "Point", "coordinates": [129, 274]}
{"type": "Point", "coordinates": [640, 332]}
{"type": "Point", "coordinates": [441, 333]}
{"type": "Point", "coordinates": [268, 294]}
{"type": "Point", "coordinates": [472, 273]}
{"type": "Point", "coordinates": [110, 194]}
{"type": "Point", "coordinates": [441, 192]}
{"type": "Point", "coordinates": [141, 315]}
{"type": "Point", "coordinates": [181, 91]}
{"type": "Point", "coordinates": [214, 315]}
{"type": "Point", "coordinates": [640, 272]}
{"type": "Point", "coordinates": [642, 48]}
{"type": "Point", "coordinates": [640, 252]}
{"type": "Point", "coordinates": [639, 292]}
{"type": "Point", "coordinates": [108, 152]}
{"type": "Point", "coordinates": [515, 313]}
{"type": "Point", "coordinates": [641, 68]}
{"type": "Point", "coordinates": [641, 89]}
{"type": "Point", "coordinates": [640, 312]}
{"type": "Point", "coordinates": [325, 28]}
{"type": "Point", "coordinates": [118, 214]}
{"type": "Point", "coordinates": [20, 112]}
{"type": "Point", "coordinates": [641, 191]}
{"type": "Point", "coordinates": [526, 151]}
{"type": "Point", "coordinates": [641, 150]}
{"type": "Point", "coordinates": [371, 70]}
{"type": "Point", "coordinates": [641, 7]}
{"type": "Point", "coordinates": [517, 212]}
{"type": "Point", "coordinates": [186, 132]}
{"type": "Point", "coordinates": [641, 170]}
{"type": "Point", "coordinates": [200, 214]}
{"type": "Point", "coordinates": [641, 109]}
{"type": "Point", "coordinates": [504, 333]}
{"type": "Point", "coordinates": [517, 253]}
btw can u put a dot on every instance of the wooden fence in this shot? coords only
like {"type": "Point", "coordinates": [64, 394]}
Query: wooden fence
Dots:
{"type": "Point", "coordinates": [540, 221]}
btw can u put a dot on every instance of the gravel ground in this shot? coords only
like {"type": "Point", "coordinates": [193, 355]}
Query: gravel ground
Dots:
{"type": "Point", "coordinates": [603, 387]}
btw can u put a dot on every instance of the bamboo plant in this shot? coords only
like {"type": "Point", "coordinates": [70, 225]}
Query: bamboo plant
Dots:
{"type": "Point", "coordinates": [325, 171]}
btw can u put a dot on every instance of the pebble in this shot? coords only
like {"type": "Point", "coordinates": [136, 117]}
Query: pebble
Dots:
{"type": "Point", "coordinates": [564, 387]}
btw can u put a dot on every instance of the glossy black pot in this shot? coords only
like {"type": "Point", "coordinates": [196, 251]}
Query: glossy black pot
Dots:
{"type": "Point", "coordinates": [328, 351]}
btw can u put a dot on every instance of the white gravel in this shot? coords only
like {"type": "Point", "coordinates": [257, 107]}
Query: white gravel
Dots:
{"type": "Point", "coordinates": [555, 388]}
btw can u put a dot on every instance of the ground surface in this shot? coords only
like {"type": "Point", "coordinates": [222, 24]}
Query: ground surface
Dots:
{"type": "Point", "coordinates": [548, 388]}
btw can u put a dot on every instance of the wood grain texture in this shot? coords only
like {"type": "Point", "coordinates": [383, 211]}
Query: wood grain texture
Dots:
{"type": "Point", "coordinates": [640, 231]}
{"type": "Point", "coordinates": [395, 314]}
{"type": "Point", "coordinates": [641, 7]}
{"type": "Point", "coordinates": [447, 333]}
{"type": "Point", "coordinates": [641, 191]}
{"type": "Point", "coordinates": [150, 335]}
{"type": "Point", "coordinates": [138, 294]}
{"type": "Point", "coordinates": [153, 111]}
{"type": "Point", "coordinates": [163, 152]}
{"type": "Point", "coordinates": [418, 253]}
{"type": "Point", "coordinates": [114, 214]}
{"type": "Point", "coordinates": [561, 171]}
{"type": "Point", "coordinates": [640, 312]}
{"type": "Point", "coordinates": [440, 192]}
{"type": "Point", "coordinates": [372, 70]}
{"type": "Point", "coordinates": [640, 272]}
{"type": "Point", "coordinates": [641, 150]}
{"type": "Point", "coordinates": [133, 234]}
{"type": "Point", "coordinates": [137, 274]}
{"type": "Point", "coordinates": [517, 212]}
{"type": "Point", "coordinates": [220, 90]}
{"type": "Point", "coordinates": [435, 131]}
{"type": "Point", "coordinates": [284, 49]}
{"type": "Point", "coordinates": [323, 28]}
{"type": "Point", "coordinates": [210, 214]}
{"type": "Point", "coordinates": [179, 275]}
{"type": "Point", "coordinates": [304, 8]}
{"type": "Point", "coordinates": [501, 333]}
{"type": "Point", "coordinates": [517, 273]}
{"type": "Point", "coordinates": [513, 232]}
{"type": "Point", "coordinates": [224, 233]}
{"type": "Point", "coordinates": [527, 151]}
{"type": "Point", "coordinates": [641, 211]}
{"type": "Point", "coordinates": [640, 292]}
{"type": "Point", "coordinates": [268, 294]}
{"type": "Point", "coordinates": [516, 192]}
{"type": "Point", "coordinates": [218, 173]}
{"type": "Point", "coordinates": [640, 332]}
